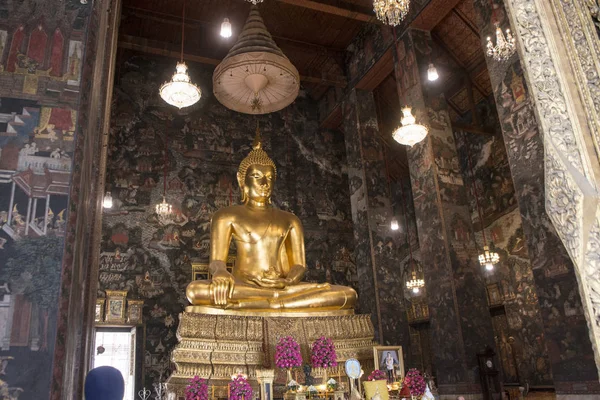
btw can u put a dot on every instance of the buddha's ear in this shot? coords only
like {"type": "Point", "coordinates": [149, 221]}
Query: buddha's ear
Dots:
{"type": "Point", "coordinates": [240, 180]}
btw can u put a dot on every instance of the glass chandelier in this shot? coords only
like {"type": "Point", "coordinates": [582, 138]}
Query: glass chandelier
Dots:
{"type": "Point", "coordinates": [505, 45]}
{"type": "Point", "coordinates": [416, 283]}
{"type": "Point", "coordinates": [255, 2]}
{"type": "Point", "coordinates": [180, 91]}
{"type": "Point", "coordinates": [391, 12]}
{"type": "Point", "coordinates": [410, 133]}
{"type": "Point", "coordinates": [488, 258]}
{"type": "Point", "coordinates": [163, 209]}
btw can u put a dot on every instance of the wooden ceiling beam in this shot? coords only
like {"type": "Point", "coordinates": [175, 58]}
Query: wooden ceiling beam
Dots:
{"type": "Point", "coordinates": [163, 49]}
{"type": "Point", "coordinates": [330, 9]}
{"type": "Point", "coordinates": [171, 19]}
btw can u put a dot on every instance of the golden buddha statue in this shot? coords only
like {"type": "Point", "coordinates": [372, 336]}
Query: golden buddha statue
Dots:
{"type": "Point", "coordinates": [270, 254]}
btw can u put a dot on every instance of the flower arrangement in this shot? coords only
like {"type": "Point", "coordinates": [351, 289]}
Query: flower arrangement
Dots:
{"type": "Point", "coordinates": [287, 353]}
{"type": "Point", "coordinates": [332, 385]}
{"type": "Point", "coordinates": [323, 353]}
{"type": "Point", "coordinates": [377, 375]}
{"type": "Point", "coordinates": [239, 389]}
{"type": "Point", "coordinates": [197, 389]}
{"type": "Point", "coordinates": [415, 382]}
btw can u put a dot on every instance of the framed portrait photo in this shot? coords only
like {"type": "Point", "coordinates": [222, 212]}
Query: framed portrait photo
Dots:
{"type": "Point", "coordinates": [115, 306]}
{"type": "Point", "coordinates": [134, 311]}
{"type": "Point", "coordinates": [390, 360]}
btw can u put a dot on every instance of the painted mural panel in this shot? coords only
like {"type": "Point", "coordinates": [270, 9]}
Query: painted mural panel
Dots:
{"type": "Point", "coordinates": [200, 150]}
{"type": "Point", "coordinates": [36, 148]}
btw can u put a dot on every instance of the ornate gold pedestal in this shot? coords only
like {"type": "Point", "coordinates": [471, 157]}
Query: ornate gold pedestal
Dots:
{"type": "Point", "coordinates": [218, 346]}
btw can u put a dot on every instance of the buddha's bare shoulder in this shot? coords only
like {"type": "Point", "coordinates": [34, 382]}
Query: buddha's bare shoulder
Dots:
{"type": "Point", "coordinates": [288, 216]}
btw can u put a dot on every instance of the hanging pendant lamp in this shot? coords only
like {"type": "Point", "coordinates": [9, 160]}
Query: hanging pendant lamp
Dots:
{"type": "Point", "coordinates": [255, 77]}
{"type": "Point", "coordinates": [489, 258]}
{"type": "Point", "coordinates": [164, 209]}
{"type": "Point", "coordinates": [180, 91]}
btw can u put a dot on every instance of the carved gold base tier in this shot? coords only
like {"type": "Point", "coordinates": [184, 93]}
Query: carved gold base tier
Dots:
{"type": "Point", "coordinates": [216, 347]}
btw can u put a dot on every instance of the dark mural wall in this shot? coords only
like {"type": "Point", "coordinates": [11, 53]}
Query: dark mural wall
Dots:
{"type": "Point", "coordinates": [41, 54]}
{"type": "Point", "coordinates": [151, 257]}
{"type": "Point", "coordinates": [518, 326]}
{"type": "Point", "coordinates": [565, 330]}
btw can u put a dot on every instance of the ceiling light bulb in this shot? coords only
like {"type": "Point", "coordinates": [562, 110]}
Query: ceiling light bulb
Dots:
{"type": "Point", "coordinates": [107, 202]}
{"type": "Point", "coordinates": [394, 225]}
{"type": "Point", "coordinates": [226, 28]}
{"type": "Point", "coordinates": [415, 290]}
{"type": "Point", "coordinates": [432, 73]}
{"type": "Point", "coordinates": [489, 267]}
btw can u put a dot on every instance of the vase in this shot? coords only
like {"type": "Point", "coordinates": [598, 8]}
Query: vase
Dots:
{"type": "Point", "coordinates": [325, 378]}
{"type": "Point", "coordinates": [289, 375]}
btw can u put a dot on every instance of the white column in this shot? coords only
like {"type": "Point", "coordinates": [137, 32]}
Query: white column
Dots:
{"type": "Point", "coordinates": [10, 205]}
{"type": "Point", "coordinates": [27, 217]}
{"type": "Point", "coordinates": [33, 210]}
{"type": "Point", "coordinates": [46, 214]}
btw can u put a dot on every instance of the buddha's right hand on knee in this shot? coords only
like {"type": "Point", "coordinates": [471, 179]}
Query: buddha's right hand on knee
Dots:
{"type": "Point", "coordinates": [222, 284]}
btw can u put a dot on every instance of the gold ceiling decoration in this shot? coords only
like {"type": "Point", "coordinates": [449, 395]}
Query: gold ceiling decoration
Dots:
{"type": "Point", "coordinates": [256, 77]}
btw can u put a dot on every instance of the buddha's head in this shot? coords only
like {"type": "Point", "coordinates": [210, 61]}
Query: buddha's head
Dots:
{"type": "Point", "coordinates": [256, 175]}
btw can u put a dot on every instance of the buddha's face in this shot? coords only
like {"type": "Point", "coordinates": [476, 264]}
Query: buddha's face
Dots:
{"type": "Point", "coordinates": [258, 183]}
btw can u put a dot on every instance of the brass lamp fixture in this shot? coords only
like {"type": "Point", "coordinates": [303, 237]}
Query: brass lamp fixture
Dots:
{"type": "Point", "coordinates": [391, 12]}
{"type": "Point", "coordinates": [180, 91]}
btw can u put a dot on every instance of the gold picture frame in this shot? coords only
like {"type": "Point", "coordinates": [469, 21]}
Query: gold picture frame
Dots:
{"type": "Point", "coordinates": [494, 294]}
{"type": "Point", "coordinates": [115, 306]}
{"type": "Point", "coordinates": [99, 313]}
{"type": "Point", "coordinates": [200, 271]}
{"type": "Point", "coordinates": [379, 358]}
{"type": "Point", "coordinates": [134, 311]}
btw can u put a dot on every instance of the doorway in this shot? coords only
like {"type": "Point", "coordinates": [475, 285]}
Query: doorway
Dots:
{"type": "Point", "coordinates": [115, 347]}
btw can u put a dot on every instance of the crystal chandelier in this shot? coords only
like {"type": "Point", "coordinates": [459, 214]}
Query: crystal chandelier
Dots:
{"type": "Point", "coordinates": [255, 2]}
{"type": "Point", "coordinates": [410, 133]}
{"type": "Point", "coordinates": [505, 45]}
{"type": "Point", "coordinates": [163, 209]}
{"type": "Point", "coordinates": [180, 91]}
{"type": "Point", "coordinates": [416, 283]}
{"type": "Point", "coordinates": [391, 12]}
{"type": "Point", "coordinates": [488, 258]}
